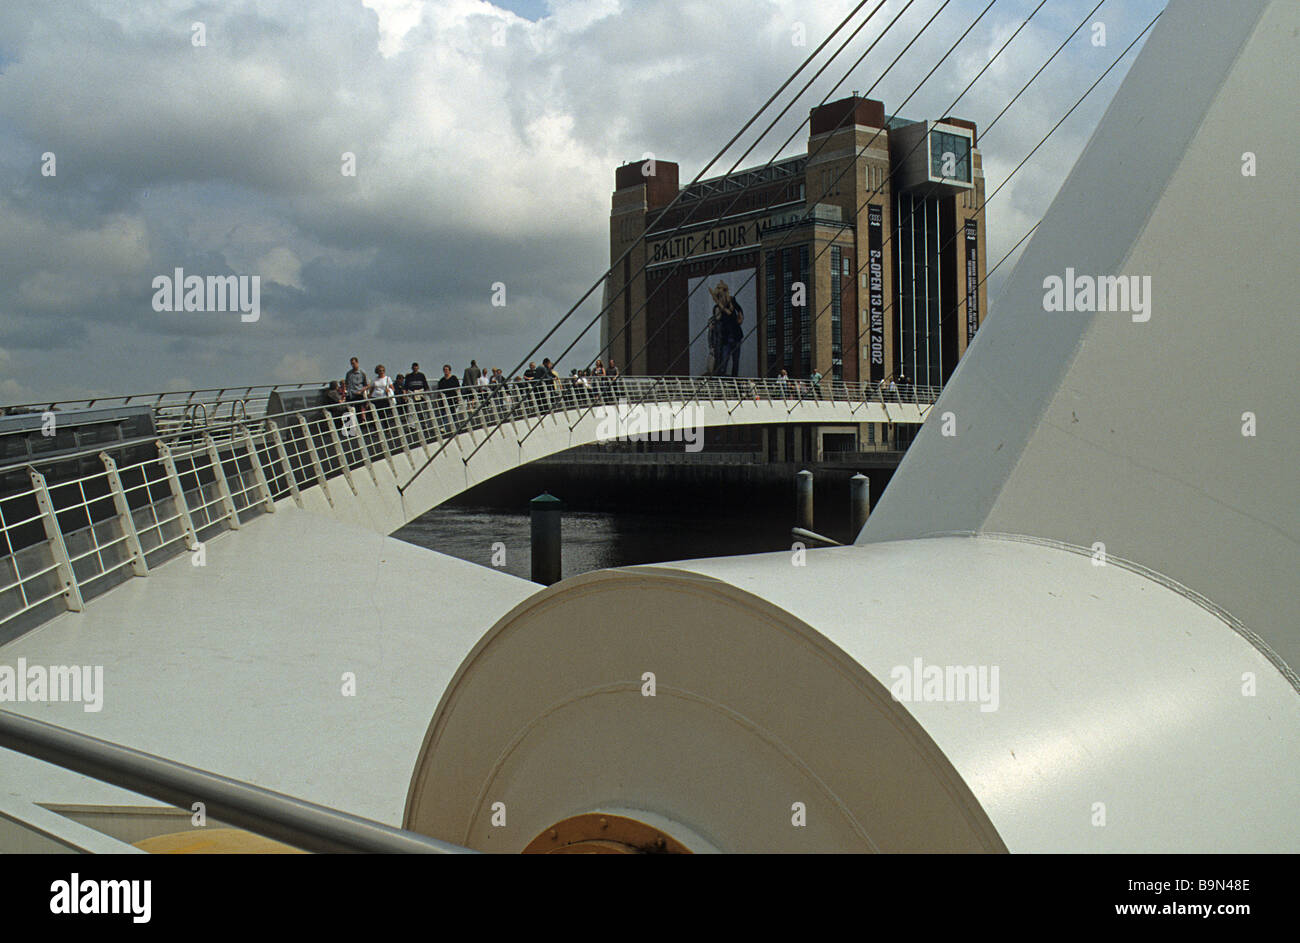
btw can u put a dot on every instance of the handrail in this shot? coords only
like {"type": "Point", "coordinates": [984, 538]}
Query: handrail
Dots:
{"type": "Point", "coordinates": [559, 396]}
{"type": "Point", "coordinates": [284, 818]}
{"type": "Point", "coordinates": [159, 397]}
{"type": "Point", "coordinates": [113, 510]}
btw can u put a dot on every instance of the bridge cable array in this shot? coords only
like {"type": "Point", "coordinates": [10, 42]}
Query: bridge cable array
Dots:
{"type": "Point", "coordinates": [686, 189]}
{"type": "Point", "coordinates": [808, 213]}
{"type": "Point", "coordinates": [722, 213]}
{"type": "Point", "coordinates": [1015, 170]}
{"type": "Point", "coordinates": [877, 190]}
{"type": "Point", "coordinates": [1018, 167]}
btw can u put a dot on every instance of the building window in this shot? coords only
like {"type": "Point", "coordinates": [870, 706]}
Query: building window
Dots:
{"type": "Point", "coordinates": [770, 314]}
{"type": "Point", "coordinates": [919, 355]}
{"type": "Point", "coordinates": [805, 321]}
{"type": "Point", "coordinates": [838, 264]}
{"type": "Point", "coordinates": [942, 143]}
{"type": "Point", "coordinates": [787, 313]}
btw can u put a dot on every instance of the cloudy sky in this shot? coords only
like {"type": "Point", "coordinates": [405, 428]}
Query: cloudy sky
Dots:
{"type": "Point", "coordinates": [485, 139]}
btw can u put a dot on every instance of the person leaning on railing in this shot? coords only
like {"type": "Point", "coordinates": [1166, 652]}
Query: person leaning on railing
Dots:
{"type": "Point", "coordinates": [335, 399]}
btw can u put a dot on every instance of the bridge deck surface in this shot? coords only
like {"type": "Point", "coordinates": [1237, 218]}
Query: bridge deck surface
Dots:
{"type": "Point", "coordinates": [259, 639]}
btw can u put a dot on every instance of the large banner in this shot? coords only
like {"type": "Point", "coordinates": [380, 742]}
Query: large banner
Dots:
{"type": "Point", "coordinates": [722, 314]}
{"type": "Point", "coordinates": [972, 280]}
{"type": "Point", "coordinates": [876, 290]}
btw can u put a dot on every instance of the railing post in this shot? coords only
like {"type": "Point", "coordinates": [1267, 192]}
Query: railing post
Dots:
{"type": "Point", "coordinates": [338, 449]}
{"type": "Point", "coordinates": [395, 410]}
{"type": "Point", "coordinates": [414, 407]}
{"type": "Point", "coordinates": [178, 495]}
{"type": "Point", "coordinates": [138, 565]}
{"type": "Point", "coordinates": [219, 476]}
{"type": "Point", "coordinates": [436, 403]}
{"type": "Point", "coordinates": [58, 549]}
{"type": "Point", "coordinates": [315, 459]}
{"type": "Point", "coordinates": [259, 474]}
{"type": "Point", "coordinates": [383, 440]}
{"type": "Point", "coordinates": [361, 443]}
{"type": "Point", "coordinates": [286, 466]}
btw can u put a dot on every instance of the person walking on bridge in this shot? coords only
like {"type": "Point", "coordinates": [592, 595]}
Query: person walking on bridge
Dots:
{"type": "Point", "coordinates": [447, 386]}
{"type": "Point", "coordinates": [355, 385]}
{"type": "Point", "coordinates": [416, 382]}
{"type": "Point", "coordinates": [355, 382]}
{"type": "Point", "coordinates": [611, 371]}
{"type": "Point", "coordinates": [550, 383]}
{"type": "Point", "coordinates": [381, 391]}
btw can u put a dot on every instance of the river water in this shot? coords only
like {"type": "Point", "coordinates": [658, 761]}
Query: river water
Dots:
{"type": "Point", "coordinates": [594, 539]}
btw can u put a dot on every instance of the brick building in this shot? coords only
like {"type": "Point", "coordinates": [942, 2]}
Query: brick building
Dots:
{"type": "Point", "coordinates": [876, 221]}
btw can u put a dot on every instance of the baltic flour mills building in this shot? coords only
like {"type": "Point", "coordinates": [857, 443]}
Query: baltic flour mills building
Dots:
{"type": "Point", "coordinates": [862, 259]}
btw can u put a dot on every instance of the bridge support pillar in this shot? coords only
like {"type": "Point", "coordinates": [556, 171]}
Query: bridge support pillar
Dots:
{"type": "Point", "coordinates": [803, 500]}
{"type": "Point", "coordinates": [546, 543]}
{"type": "Point", "coordinates": [859, 504]}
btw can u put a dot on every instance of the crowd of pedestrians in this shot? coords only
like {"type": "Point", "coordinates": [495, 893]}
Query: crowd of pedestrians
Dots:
{"type": "Point", "coordinates": [363, 399]}
{"type": "Point", "coordinates": [477, 389]}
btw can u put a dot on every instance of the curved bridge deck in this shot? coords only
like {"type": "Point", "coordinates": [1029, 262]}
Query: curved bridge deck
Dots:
{"type": "Point", "coordinates": [78, 522]}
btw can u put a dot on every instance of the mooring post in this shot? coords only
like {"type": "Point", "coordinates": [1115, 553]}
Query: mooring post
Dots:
{"type": "Point", "coordinates": [803, 500]}
{"type": "Point", "coordinates": [859, 504]}
{"type": "Point", "coordinates": [545, 510]}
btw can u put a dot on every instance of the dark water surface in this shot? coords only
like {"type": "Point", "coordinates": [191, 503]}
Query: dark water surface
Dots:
{"type": "Point", "coordinates": [594, 539]}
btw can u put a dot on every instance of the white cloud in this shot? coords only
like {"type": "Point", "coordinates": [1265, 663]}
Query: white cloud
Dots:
{"type": "Point", "coordinates": [282, 267]}
{"type": "Point", "coordinates": [476, 163]}
{"type": "Point", "coordinates": [298, 367]}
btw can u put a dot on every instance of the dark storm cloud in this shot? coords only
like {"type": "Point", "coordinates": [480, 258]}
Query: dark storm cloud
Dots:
{"type": "Point", "coordinates": [476, 163]}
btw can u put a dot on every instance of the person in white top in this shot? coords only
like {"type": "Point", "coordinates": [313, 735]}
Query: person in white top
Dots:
{"type": "Point", "coordinates": [382, 385]}
{"type": "Point", "coordinates": [381, 390]}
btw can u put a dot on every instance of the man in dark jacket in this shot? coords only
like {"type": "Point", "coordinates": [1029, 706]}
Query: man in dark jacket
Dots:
{"type": "Point", "coordinates": [416, 382]}
{"type": "Point", "coordinates": [447, 386]}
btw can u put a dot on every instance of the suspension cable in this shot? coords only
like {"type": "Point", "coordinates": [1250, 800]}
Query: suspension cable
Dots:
{"type": "Point", "coordinates": [980, 209]}
{"type": "Point", "coordinates": [790, 233]}
{"type": "Point", "coordinates": [685, 221]}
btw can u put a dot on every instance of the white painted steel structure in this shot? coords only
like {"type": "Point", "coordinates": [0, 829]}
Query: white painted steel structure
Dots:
{"type": "Point", "coordinates": [1146, 701]}
{"type": "Point", "coordinates": [236, 665]}
{"type": "Point", "coordinates": [205, 476]}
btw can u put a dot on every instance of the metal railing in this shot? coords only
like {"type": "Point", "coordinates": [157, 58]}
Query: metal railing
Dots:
{"type": "Point", "coordinates": [73, 524]}
{"type": "Point", "coordinates": [275, 815]}
{"type": "Point", "coordinates": [197, 406]}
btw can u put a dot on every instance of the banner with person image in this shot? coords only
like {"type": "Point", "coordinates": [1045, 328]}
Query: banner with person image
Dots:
{"type": "Point", "coordinates": [722, 314]}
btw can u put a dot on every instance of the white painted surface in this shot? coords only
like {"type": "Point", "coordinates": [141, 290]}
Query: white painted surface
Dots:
{"type": "Point", "coordinates": [773, 685]}
{"type": "Point", "coordinates": [1092, 428]}
{"type": "Point", "coordinates": [381, 508]}
{"type": "Point", "coordinates": [237, 667]}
